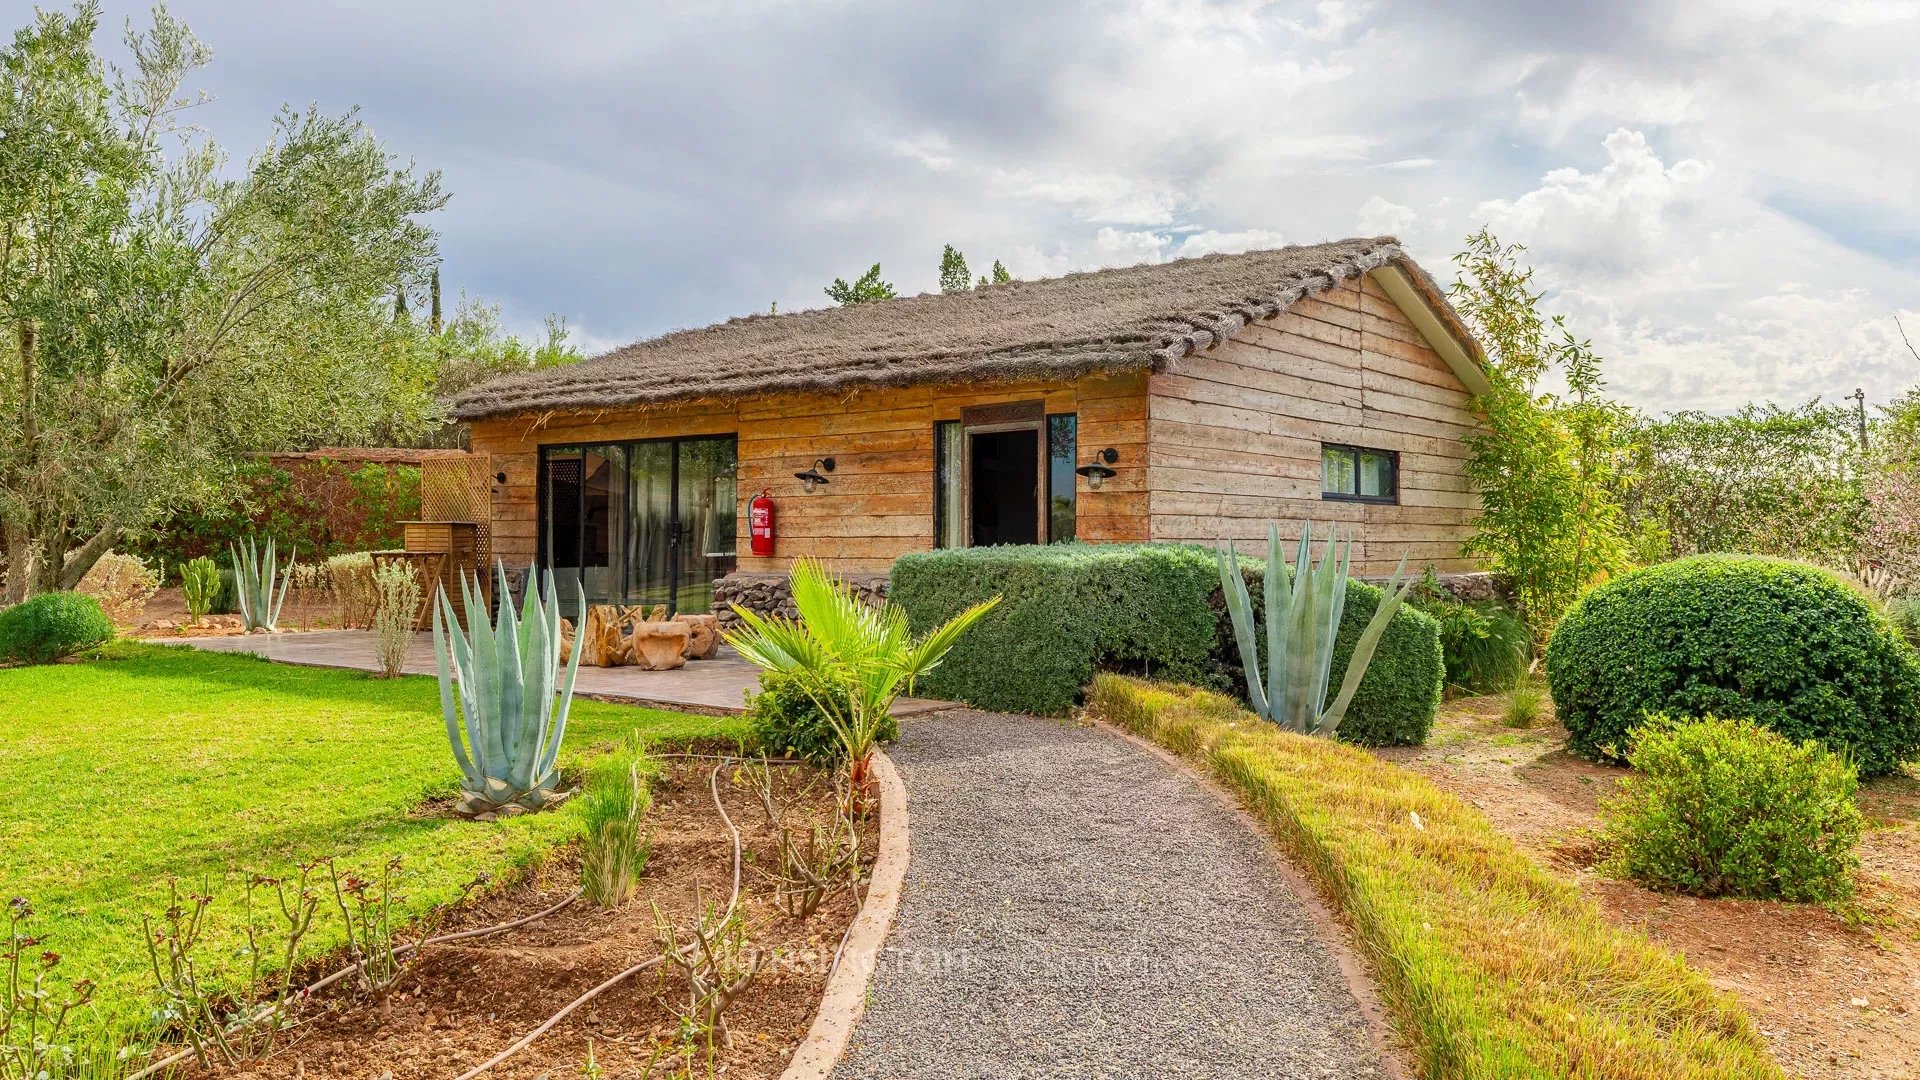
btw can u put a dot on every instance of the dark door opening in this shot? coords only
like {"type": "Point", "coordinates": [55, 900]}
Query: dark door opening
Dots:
{"type": "Point", "coordinates": [1004, 502]}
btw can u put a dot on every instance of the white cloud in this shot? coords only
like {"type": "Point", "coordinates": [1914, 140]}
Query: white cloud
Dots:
{"type": "Point", "coordinates": [1701, 295]}
{"type": "Point", "coordinates": [1209, 241]}
{"type": "Point", "coordinates": [1378, 217]}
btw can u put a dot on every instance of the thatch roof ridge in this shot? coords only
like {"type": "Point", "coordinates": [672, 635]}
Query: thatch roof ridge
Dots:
{"type": "Point", "coordinates": [1127, 318]}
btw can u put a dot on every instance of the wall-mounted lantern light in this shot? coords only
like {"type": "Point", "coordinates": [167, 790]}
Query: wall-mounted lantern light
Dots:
{"type": "Point", "coordinates": [813, 476]}
{"type": "Point", "coordinates": [1099, 470]}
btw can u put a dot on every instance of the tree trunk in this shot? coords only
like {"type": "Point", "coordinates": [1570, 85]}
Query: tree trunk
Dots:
{"type": "Point", "coordinates": [19, 565]}
{"type": "Point", "coordinates": [75, 563]}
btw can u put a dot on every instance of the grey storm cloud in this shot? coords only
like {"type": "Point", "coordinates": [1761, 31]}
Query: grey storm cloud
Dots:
{"type": "Point", "coordinates": [643, 167]}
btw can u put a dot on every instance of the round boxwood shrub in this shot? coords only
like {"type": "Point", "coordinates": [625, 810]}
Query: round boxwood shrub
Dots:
{"type": "Point", "coordinates": [1729, 808]}
{"type": "Point", "coordinates": [785, 720]}
{"type": "Point", "coordinates": [1736, 635]}
{"type": "Point", "coordinates": [51, 626]}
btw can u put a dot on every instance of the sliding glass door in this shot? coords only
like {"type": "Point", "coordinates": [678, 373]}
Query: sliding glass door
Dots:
{"type": "Point", "coordinates": [639, 523]}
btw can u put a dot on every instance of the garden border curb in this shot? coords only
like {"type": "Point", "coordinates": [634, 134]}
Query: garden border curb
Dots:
{"type": "Point", "coordinates": [1394, 1051]}
{"type": "Point", "coordinates": [845, 998]}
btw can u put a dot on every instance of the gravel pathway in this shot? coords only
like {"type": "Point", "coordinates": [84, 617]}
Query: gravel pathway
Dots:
{"type": "Point", "coordinates": [1075, 907]}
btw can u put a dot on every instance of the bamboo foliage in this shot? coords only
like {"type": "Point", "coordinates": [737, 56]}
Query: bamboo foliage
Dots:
{"type": "Point", "coordinates": [1302, 621]}
{"type": "Point", "coordinates": [511, 715]}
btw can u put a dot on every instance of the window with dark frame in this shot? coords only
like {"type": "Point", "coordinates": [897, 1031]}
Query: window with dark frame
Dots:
{"type": "Point", "coordinates": [1358, 474]}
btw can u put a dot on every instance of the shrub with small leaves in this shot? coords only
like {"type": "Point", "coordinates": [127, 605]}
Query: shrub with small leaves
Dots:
{"type": "Point", "coordinates": [351, 577]}
{"type": "Point", "coordinates": [786, 720]}
{"type": "Point", "coordinates": [396, 608]}
{"type": "Point", "coordinates": [52, 626]}
{"type": "Point", "coordinates": [122, 584]}
{"type": "Point", "coordinates": [1785, 643]}
{"type": "Point", "coordinates": [1731, 808]}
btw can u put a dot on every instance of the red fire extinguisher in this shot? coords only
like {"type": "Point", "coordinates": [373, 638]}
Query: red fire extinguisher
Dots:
{"type": "Point", "coordinates": [760, 524]}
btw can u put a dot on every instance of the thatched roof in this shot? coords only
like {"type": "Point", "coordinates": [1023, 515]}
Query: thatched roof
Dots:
{"type": "Point", "coordinates": [1137, 317]}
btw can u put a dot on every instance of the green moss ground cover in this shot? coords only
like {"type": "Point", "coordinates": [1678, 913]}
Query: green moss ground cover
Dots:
{"type": "Point", "coordinates": [157, 762]}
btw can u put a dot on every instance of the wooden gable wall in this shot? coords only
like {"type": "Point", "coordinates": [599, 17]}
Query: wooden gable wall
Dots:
{"type": "Point", "coordinates": [1235, 433]}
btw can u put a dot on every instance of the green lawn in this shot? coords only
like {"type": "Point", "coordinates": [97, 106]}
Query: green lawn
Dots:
{"type": "Point", "coordinates": [166, 762]}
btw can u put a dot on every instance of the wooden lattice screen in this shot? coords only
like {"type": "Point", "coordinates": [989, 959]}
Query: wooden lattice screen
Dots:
{"type": "Point", "coordinates": [459, 487]}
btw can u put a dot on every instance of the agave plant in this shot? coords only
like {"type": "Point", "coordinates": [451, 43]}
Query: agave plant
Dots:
{"type": "Point", "coordinates": [1302, 620]}
{"type": "Point", "coordinates": [514, 714]}
{"type": "Point", "coordinates": [255, 571]}
{"type": "Point", "coordinates": [839, 640]}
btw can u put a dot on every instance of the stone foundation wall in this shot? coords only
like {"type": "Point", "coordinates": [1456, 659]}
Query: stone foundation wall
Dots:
{"type": "Point", "coordinates": [768, 594]}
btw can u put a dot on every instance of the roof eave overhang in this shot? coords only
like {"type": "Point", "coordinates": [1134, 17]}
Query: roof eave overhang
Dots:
{"type": "Point", "coordinates": [1436, 322]}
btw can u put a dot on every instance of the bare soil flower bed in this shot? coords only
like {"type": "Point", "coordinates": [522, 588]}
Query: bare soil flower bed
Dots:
{"type": "Point", "coordinates": [1836, 993]}
{"type": "Point", "coordinates": [466, 1001]}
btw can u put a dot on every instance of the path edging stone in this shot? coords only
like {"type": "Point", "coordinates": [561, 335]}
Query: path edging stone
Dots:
{"type": "Point", "coordinates": [846, 994]}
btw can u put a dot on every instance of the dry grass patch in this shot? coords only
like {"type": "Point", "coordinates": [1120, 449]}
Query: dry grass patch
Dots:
{"type": "Point", "coordinates": [1493, 967]}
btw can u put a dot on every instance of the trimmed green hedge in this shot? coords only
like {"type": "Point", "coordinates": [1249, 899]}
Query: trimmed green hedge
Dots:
{"type": "Point", "coordinates": [1068, 610]}
{"type": "Point", "coordinates": [1736, 636]}
{"type": "Point", "coordinates": [1064, 609]}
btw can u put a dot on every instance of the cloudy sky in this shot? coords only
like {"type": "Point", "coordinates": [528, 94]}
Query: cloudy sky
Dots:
{"type": "Point", "coordinates": [1723, 194]}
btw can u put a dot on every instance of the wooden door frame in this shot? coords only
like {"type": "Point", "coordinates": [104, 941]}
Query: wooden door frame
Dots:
{"type": "Point", "coordinates": [1008, 416]}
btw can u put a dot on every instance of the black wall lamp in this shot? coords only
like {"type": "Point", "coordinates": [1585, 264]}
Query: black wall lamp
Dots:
{"type": "Point", "coordinates": [812, 476]}
{"type": "Point", "coordinates": [1099, 471]}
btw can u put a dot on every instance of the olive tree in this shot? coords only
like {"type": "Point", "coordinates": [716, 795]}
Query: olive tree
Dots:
{"type": "Point", "coordinates": [164, 311]}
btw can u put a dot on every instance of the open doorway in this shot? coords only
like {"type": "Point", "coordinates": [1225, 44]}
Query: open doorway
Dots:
{"type": "Point", "coordinates": [1004, 488]}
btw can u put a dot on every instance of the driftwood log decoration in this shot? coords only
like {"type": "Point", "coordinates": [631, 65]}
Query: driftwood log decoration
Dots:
{"type": "Point", "coordinates": [658, 646]}
{"type": "Point", "coordinates": [703, 635]}
{"type": "Point", "coordinates": [601, 642]}
{"type": "Point", "coordinates": [613, 635]}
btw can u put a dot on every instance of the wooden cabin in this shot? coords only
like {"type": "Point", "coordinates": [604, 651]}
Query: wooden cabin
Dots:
{"type": "Point", "coordinates": [1193, 400]}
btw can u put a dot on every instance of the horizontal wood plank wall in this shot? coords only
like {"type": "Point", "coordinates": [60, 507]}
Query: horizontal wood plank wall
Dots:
{"type": "Point", "coordinates": [879, 502]}
{"type": "Point", "coordinates": [1235, 433]}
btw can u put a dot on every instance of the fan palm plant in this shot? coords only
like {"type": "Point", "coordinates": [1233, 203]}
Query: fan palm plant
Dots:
{"type": "Point", "coordinates": [1302, 622]}
{"type": "Point", "coordinates": [839, 641]}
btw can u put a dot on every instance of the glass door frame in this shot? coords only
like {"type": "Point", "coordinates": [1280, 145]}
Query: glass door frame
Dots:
{"type": "Point", "coordinates": [677, 527]}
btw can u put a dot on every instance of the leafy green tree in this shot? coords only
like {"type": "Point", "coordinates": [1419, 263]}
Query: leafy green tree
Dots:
{"type": "Point", "coordinates": [1548, 466]}
{"type": "Point", "coordinates": [865, 288]}
{"type": "Point", "coordinates": [998, 277]}
{"type": "Point", "coordinates": [473, 348]}
{"type": "Point", "coordinates": [160, 315]}
{"type": "Point", "coordinates": [1764, 479]}
{"type": "Point", "coordinates": [954, 275]}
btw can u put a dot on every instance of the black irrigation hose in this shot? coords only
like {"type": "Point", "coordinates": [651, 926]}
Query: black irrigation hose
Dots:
{"type": "Point", "coordinates": [713, 783]}
{"type": "Point", "coordinates": [264, 1011]}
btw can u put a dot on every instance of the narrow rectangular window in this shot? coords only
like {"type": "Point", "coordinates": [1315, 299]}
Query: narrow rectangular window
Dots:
{"type": "Point", "coordinates": [1357, 474]}
{"type": "Point", "coordinates": [1062, 449]}
{"type": "Point", "coordinates": [949, 516]}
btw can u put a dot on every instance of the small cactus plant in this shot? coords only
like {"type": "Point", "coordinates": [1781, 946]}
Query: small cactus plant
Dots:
{"type": "Point", "coordinates": [255, 571]}
{"type": "Point", "coordinates": [511, 715]}
{"type": "Point", "coordinates": [199, 586]}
